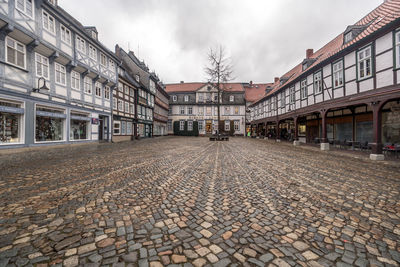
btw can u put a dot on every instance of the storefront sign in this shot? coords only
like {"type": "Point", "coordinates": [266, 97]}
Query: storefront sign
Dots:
{"type": "Point", "coordinates": [80, 118]}
{"type": "Point", "coordinates": [95, 121]}
{"type": "Point", "coordinates": [11, 110]}
{"type": "Point", "coordinates": [50, 114]}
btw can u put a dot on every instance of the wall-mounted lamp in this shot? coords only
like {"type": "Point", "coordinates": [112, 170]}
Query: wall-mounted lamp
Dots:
{"type": "Point", "coordinates": [43, 87]}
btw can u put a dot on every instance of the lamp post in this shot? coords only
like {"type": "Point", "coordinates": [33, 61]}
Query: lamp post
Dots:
{"type": "Point", "coordinates": [44, 87]}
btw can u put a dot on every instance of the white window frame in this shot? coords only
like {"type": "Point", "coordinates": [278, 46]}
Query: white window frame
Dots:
{"type": "Point", "coordinates": [126, 107]}
{"type": "Point", "coordinates": [103, 60]}
{"type": "Point", "coordinates": [107, 92]}
{"type": "Point", "coordinates": [283, 99]}
{"type": "Point", "coordinates": [190, 125]}
{"type": "Point", "coordinates": [115, 104]}
{"type": "Point", "coordinates": [120, 105]}
{"type": "Point", "coordinates": [174, 98]}
{"type": "Point", "coordinates": [227, 110]}
{"type": "Point", "coordinates": [80, 44]}
{"type": "Point", "coordinates": [348, 37]}
{"type": "Point", "coordinates": [117, 128]}
{"type": "Point", "coordinates": [75, 80]}
{"type": "Point", "coordinates": [292, 94]}
{"type": "Point", "coordinates": [303, 89]}
{"type": "Point", "coordinates": [24, 8]}
{"type": "Point", "coordinates": [98, 88]}
{"type": "Point", "coordinates": [48, 22]}
{"type": "Point", "coordinates": [182, 110]}
{"type": "Point", "coordinates": [131, 108]}
{"type": "Point", "coordinates": [186, 98]}
{"type": "Point", "coordinates": [363, 58]}
{"type": "Point", "coordinates": [337, 74]}
{"type": "Point", "coordinates": [232, 98]}
{"type": "Point", "coordinates": [227, 125]}
{"type": "Point", "coordinates": [87, 85]}
{"type": "Point", "coordinates": [92, 52]}
{"type": "Point", "coordinates": [181, 125]}
{"type": "Point", "coordinates": [66, 36]}
{"type": "Point", "coordinates": [111, 65]}
{"type": "Point", "coordinates": [15, 51]}
{"type": "Point", "coordinates": [200, 125]}
{"type": "Point", "coordinates": [60, 74]}
{"type": "Point", "coordinates": [190, 110]}
{"type": "Point", "coordinates": [318, 82]}
{"type": "Point", "coordinates": [236, 126]}
{"type": "Point", "coordinates": [42, 62]}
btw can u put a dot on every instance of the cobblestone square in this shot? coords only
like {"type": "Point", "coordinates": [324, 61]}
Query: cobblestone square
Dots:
{"type": "Point", "coordinates": [190, 202]}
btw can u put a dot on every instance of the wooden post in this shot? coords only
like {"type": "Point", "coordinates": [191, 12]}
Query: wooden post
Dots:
{"type": "Point", "coordinates": [377, 130]}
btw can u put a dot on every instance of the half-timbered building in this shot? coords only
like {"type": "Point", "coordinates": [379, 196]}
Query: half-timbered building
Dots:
{"type": "Point", "coordinates": [347, 91]}
{"type": "Point", "coordinates": [198, 102]}
{"type": "Point", "coordinates": [161, 109]}
{"type": "Point", "coordinates": [55, 77]}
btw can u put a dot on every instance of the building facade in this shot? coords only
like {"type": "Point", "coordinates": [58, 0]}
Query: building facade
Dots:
{"type": "Point", "coordinates": [161, 108]}
{"type": "Point", "coordinates": [146, 90]}
{"type": "Point", "coordinates": [55, 77]}
{"type": "Point", "coordinates": [124, 107]}
{"type": "Point", "coordinates": [198, 102]}
{"type": "Point", "coordinates": [349, 90]}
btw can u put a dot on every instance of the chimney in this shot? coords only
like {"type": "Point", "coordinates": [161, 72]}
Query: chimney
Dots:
{"type": "Point", "coordinates": [182, 82]}
{"type": "Point", "coordinates": [309, 53]}
{"type": "Point", "coordinates": [276, 79]}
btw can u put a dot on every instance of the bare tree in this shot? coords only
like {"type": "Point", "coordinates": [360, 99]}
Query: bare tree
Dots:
{"type": "Point", "coordinates": [219, 72]}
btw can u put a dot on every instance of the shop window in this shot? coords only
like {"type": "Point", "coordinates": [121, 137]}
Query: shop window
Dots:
{"type": "Point", "coordinates": [129, 128]}
{"type": "Point", "coordinates": [181, 125]}
{"type": "Point", "coordinates": [190, 125]}
{"type": "Point", "coordinates": [236, 125]}
{"type": "Point", "coordinates": [123, 127]}
{"type": "Point", "coordinates": [227, 125]}
{"type": "Point", "coordinates": [117, 127]}
{"type": "Point", "coordinates": [49, 124]}
{"type": "Point", "coordinates": [10, 122]}
{"type": "Point", "coordinates": [201, 126]}
{"type": "Point", "coordinates": [79, 126]}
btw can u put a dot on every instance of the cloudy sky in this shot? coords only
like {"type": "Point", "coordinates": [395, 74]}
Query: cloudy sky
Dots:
{"type": "Point", "coordinates": [264, 38]}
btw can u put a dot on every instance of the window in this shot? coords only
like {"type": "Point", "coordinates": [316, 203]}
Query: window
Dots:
{"type": "Point", "coordinates": [120, 106]}
{"type": "Point", "coordinates": [103, 60]}
{"type": "Point", "coordinates": [201, 125]}
{"type": "Point", "coordinates": [181, 125]}
{"type": "Point", "coordinates": [190, 125]}
{"type": "Point", "coordinates": [397, 49]}
{"type": "Point", "coordinates": [174, 98]}
{"type": "Point", "coordinates": [200, 111]}
{"type": "Point", "coordinates": [131, 109]}
{"type": "Point", "coordinates": [227, 110]}
{"type": "Point", "coordinates": [236, 125]}
{"type": "Point", "coordinates": [182, 110]}
{"type": "Point", "coordinates": [117, 127]}
{"type": "Point", "coordinates": [94, 35]}
{"type": "Point", "coordinates": [25, 6]}
{"type": "Point", "coordinates": [61, 75]}
{"type": "Point", "coordinates": [92, 52]}
{"type": "Point", "coordinates": [292, 94]}
{"type": "Point", "coordinates": [318, 83]}
{"type": "Point", "coordinates": [169, 125]}
{"type": "Point", "coordinates": [129, 128]}
{"type": "Point", "coordinates": [232, 98]}
{"type": "Point", "coordinates": [216, 97]}
{"type": "Point", "coordinates": [87, 85]}
{"type": "Point", "coordinates": [364, 63]}
{"type": "Point", "coordinates": [15, 52]}
{"type": "Point", "coordinates": [65, 35]}
{"type": "Point", "coordinates": [75, 80]}
{"type": "Point", "coordinates": [80, 44]}
{"type": "Point", "coordinates": [131, 92]}
{"type": "Point", "coordinates": [123, 127]}
{"type": "Point", "coordinates": [137, 77]}
{"type": "Point", "coordinates": [236, 110]}
{"type": "Point", "coordinates": [227, 125]}
{"type": "Point", "coordinates": [190, 110]}
{"type": "Point", "coordinates": [48, 22]}
{"type": "Point", "coordinates": [115, 107]}
{"type": "Point", "coordinates": [303, 89]}
{"type": "Point", "coordinates": [107, 92]}
{"type": "Point", "coordinates": [79, 126]}
{"type": "Point", "coordinates": [49, 124]}
{"type": "Point", "coordinates": [10, 122]}
{"type": "Point", "coordinates": [126, 88]}
{"type": "Point", "coordinates": [126, 104]}
{"type": "Point", "coordinates": [120, 87]}
{"type": "Point", "coordinates": [283, 100]}
{"type": "Point", "coordinates": [337, 74]}
{"type": "Point", "coordinates": [186, 98]}
{"type": "Point", "coordinates": [53, 2]}
{"type": "Point", "coordinates": [111, 65]}
{"type": "Point", "coordinates": [348, 37]}
{"type": "Point", "coordinates": [304, 66]}
{"type": "Point", "coordinates": [208, 111]}
{"type": "Point", "coordinates": [201, 97]}
{"type": "Point", "coordinates": [42, 66]}
{"type": "Point", "coordinates": [98, 88]}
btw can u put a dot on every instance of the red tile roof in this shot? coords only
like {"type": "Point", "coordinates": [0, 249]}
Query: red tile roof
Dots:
{"type": "Point", "coordinates": [256, 91]}
{"type": "Point", "coordinates": [384, 14]}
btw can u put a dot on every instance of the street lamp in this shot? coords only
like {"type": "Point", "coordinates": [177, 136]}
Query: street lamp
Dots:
{"type": "Point", "coordinates": [43, 87]}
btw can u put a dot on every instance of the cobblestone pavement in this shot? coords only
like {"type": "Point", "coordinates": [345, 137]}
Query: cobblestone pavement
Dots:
{"type": "Point", "coordinates": [190, 202]}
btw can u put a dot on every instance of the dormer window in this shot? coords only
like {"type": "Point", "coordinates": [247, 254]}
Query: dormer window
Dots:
{"type": "Point", "coordinates": [231, 98]}
{"type": "Point", "coordinates": [94, 35]}
{"type": "Point", "coordinates": [53, 2]}
{"type": "Point", "coordinates": [186, 98]}
{"type": "Point", "coordinates": [304, 66]}
{"type": "Point", "coordinates": [137, 77]}
{"type": "Point", "coordinates": [348, 37]}
{"type": "Point", "coordinates": [174, 98]}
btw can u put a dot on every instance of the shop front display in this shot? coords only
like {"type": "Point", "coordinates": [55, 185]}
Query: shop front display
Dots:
{"type": "Point", "coordinates": [10, 122]}
{"type": "Point", "coordinates": [49, 124]}
{"type": "Point", "coordinates": [79, 127]}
